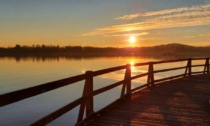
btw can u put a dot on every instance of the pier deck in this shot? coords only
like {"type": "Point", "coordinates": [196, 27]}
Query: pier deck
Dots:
{"type": "Point", "coordinates": [178, 102]}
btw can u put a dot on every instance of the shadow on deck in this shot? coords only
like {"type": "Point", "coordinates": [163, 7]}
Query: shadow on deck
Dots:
{"type": "Point", "coordinates": [178, 102]}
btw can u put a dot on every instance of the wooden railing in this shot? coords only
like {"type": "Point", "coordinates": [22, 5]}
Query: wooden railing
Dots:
{"type": "Point", "coordinates": [86, 101]}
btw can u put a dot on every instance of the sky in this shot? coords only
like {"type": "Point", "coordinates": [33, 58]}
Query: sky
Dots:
{"type": "Point", "coordinates": [104, 23]}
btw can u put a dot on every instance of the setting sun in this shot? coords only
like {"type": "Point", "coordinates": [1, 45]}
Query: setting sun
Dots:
{"type": "Point", "coordinates": [132, 39]}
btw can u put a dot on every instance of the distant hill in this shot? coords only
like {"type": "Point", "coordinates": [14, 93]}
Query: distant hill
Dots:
{"type": "Point", "coordinates": [180, 48]}
{"type": "Point", "coordinates": [174, 49]}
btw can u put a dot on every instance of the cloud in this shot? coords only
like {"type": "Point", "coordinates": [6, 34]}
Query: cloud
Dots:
{"type": "Point", "coordinates": [205, 35]}
{"type": "Point", "coordinates": [165, 12]}
{"type": "Point", "coordinates": [134, 34]}
{"type": "Point", "coordinates": [128, 17]}
{"type": "Point", "coordinates": [189, 37]}
{"type": "Point", "coordinates": [178, 10]}
{"type": "Point", "coordinates": [191, 16]}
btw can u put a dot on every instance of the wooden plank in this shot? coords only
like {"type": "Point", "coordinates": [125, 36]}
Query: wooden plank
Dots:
{"type": "Point", "coordinates": [198, 58]}
{"type": "Point", "coordinates": [198, 65]}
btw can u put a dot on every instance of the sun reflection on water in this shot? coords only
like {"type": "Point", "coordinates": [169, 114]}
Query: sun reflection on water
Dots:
{"type": "Point", "coordinates": [132, 64]}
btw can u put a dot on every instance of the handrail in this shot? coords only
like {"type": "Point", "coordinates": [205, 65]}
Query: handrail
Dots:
{"type": "Point", "coordinates": [164, 70]}
{"type": "Point", "coordinates": [15, 96]}
{"type": "Point", "coordinates": [169, 61]}
{"type": "Point", "coordinates": [109, 70]}
{"type": "Point", "coordinates": [169, 78]}
{"type": "Point", "coordinates": [86, 101]}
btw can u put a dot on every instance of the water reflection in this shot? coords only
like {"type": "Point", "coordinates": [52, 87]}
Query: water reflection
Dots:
{"type": "Point", "coordinates": [47, 58]}
{"type": "Point", "coordinates": [22, 72]}
{"type": "Point", "coordinates": [17, 73]}
{"type": "Point", "coordinates": [132, 63]}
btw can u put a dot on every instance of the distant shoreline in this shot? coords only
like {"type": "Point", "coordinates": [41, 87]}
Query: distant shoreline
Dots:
{"type": "Point", "coordinates": [169, 50]}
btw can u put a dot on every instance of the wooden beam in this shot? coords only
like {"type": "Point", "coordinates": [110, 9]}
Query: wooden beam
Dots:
{"type": "Point", "coordinates": [150, 79]}
{"type": "Point", "coordinates": [15, 96]}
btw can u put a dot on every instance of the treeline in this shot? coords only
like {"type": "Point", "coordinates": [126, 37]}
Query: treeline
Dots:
{"type": "Point", "coordinates": [56, 50]}
{"type": "Point", "coordinates": [161, 50]}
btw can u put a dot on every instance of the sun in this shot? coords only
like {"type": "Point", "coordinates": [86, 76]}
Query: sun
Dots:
{"type": "Point", "coordinates": [132, 39]}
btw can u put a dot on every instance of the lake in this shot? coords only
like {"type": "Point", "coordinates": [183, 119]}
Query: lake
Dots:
{"type": "Point", "coordinates": [18, 73]}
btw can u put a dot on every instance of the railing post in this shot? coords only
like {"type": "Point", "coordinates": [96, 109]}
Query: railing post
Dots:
{"type": "Point", "coordinates": [128, 79]}
{"type": "Point", "coordinates": [190, 67]}
{"type": "Point", "coordinates": [127, 82]}
{"type": "Point", "coordinates": [88, 103]}
{"type": "Point", "coordinates": [89, 83]}
{"type": "Point", "coordinates": [206, 67]}
{"type": "Point", "coordinates": [188, 70]}
{"type": "Point", "coordinates": [150, 79]}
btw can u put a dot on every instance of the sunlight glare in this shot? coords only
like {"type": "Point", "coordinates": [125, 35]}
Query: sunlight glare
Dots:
{"type": "Point", "coordinates": [132, 63]}
{"type": "Point", "coordinates": [132, 39]}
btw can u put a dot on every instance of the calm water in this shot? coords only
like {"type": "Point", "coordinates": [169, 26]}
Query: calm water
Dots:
{"type": "Point", "coordinates": [19, 73]}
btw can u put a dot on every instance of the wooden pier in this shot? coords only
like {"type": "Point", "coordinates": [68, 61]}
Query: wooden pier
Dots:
{"type": "Point", "coordinates": [183, 102]}
{"type": "Point", "coordinates": [175, 100]}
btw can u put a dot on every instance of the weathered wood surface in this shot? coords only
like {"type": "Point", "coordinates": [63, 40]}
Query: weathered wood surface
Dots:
{"type": "Point", "coordinates": [178, 102]}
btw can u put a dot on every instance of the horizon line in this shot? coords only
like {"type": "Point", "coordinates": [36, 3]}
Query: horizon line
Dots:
{"type": "Point", "coordinates": [40, 45]}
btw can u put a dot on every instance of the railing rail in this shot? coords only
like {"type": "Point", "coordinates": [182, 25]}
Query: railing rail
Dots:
{"type": "Point", "coordinates": [86, 101]}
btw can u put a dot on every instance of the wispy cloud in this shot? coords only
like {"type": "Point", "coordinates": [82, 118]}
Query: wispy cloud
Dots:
{"type": "Point", "coordinates": [205, 35]}
{"type": "Point", "coordinates": [134, 34]}
{"type": "Point", "coordinates": [128, 17]}
{"type": "Point", "coordinates": [189, 37]}
{"type": "Point", "coordinates": [180, 17]}
{"type": "Point", "coordinates": [165, 12]}
{"type": "Point", "coordinates": [178, 10]}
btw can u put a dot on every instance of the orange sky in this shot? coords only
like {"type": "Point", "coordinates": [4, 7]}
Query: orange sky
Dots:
{"type": "Point", "coordinates": [104, 23]}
